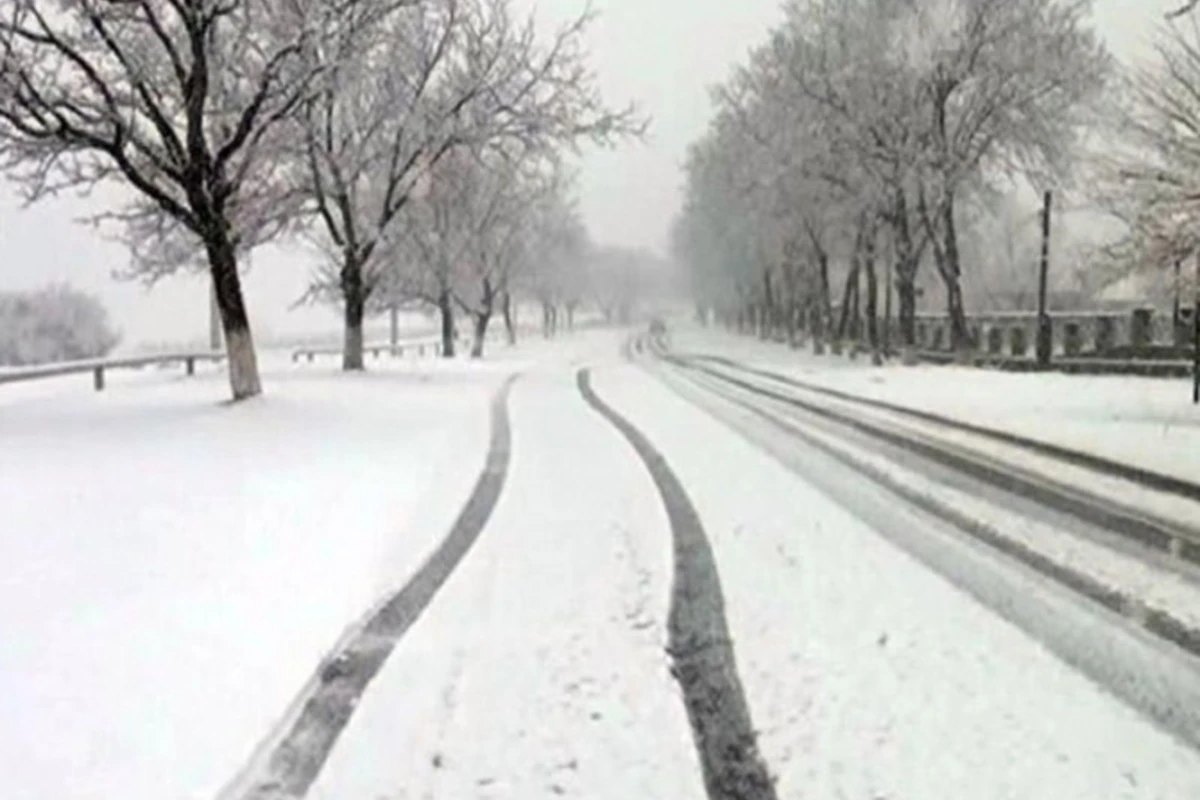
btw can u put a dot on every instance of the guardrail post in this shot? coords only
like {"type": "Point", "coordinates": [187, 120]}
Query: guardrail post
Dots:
{"type": "Point", "coordinates": [98, 378]}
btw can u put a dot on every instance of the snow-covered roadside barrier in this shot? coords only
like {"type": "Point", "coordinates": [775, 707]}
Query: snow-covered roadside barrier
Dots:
{"type": "Point", "coordinates": [700, 644]}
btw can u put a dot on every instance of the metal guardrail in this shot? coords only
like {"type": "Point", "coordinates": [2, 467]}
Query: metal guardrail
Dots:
{"type": "Point", "coordinates": [429, 345]}
{"type": "Point", "coordinates": [97, 367]}
{"type": "Point", "coordinates": [426, 345]}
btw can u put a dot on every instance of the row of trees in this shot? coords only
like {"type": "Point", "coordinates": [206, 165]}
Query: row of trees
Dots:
{"type": "Point", "coordinates": [859, 133]}
{"type": "Point", "coordinates": [419, 143]}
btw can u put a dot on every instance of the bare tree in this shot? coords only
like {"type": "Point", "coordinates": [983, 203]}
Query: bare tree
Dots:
{"type": "Point", "coordinates": [427, 80]}
{"type": "Point", "coordinates": [860, 128]}
{"type": "Point", "coordinates": [1147, 180]}
{"type": "Point", "coordinates": [180, 101]}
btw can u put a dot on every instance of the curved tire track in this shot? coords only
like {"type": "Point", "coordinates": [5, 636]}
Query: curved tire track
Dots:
{"type": "Point", "coordinates": [699, 642]}
{"type": "Point", "coordinates": [289, 761]}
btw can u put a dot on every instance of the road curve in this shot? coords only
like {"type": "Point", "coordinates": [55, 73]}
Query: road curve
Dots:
{"type": "Point", "coordinates": [291, 757]}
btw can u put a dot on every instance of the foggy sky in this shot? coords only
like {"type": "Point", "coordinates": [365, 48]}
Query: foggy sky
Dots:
{"type": "Point", "coordinates": [663, 54]}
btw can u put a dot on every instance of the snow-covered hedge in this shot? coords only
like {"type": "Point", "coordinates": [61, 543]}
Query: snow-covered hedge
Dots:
{"type": "Point", "coordinates": [56, 323]}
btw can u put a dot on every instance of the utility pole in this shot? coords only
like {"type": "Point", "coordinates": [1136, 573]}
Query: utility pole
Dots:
{"type": "Point", "coordinates": [887, 310]}
{"type": "Point", "coordinates": [1196, 338]}
{"type": "Point", "coordinates": [1045, 333]}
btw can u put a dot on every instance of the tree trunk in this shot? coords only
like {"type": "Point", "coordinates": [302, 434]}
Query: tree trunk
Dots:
{"type": "Point", "coordinates": [354, 297]}
{"type": "Point", "coordinates": [510, 326]}
{"type": "Point", "coordinates": [571, 316]}
{"type": "Point", "coordinates": [239, 343]}
{"type": "Point", "coordinates": [847, 302]}
{"type": "Point", "coordinates": [872, 303]}
{"type": "Point", "coordinates": [907, 261]}
{"type": "Point", "coordinates": [817, 326]}
{"type": "Point", "coordinates": [482, 318]}
{"type": "Point", "coordinates": [951, 270]}
{"type": "Point", "coordinates": [792, 338]}
{"type": "Point", "coordinates": [906, 294]}
{"type": "Point", "coordinates": [214, 318]}
{"type": "Point", "coordinates": [446, 309]}
{"type": "Point", "coordinates": [824, 309]}
{"type": "Point", "coordinates": [766, 323]}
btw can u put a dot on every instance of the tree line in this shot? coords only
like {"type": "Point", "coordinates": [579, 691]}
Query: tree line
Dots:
{"type": "Point", "coordinates": [420, 144]}
{"type": "Point", "coordinates": [860, 134]}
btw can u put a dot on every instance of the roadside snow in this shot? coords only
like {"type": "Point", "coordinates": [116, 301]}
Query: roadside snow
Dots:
{"type": "Point", "coordinates": [1148, 422]}
{"type": "Point", "coordinates": [870, 676]}
{"type": "Point", "coordinates": [540, 668]}
{"type": "Point", "coordinates": [175, 567]}
{"type": "Point", "coordinates": [1157, 588]}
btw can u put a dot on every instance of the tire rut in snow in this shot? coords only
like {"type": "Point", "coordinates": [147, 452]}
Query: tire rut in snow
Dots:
{"type": "Point", "coordinates": [699, 642]}
{"type": "Point", "coordinates": [290, 761]}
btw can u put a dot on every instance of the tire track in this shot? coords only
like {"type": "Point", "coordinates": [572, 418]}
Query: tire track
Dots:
{"type": "Point", "coordinates": [288, 762]}
{"type": "Point", "coordinates": [700, 646]}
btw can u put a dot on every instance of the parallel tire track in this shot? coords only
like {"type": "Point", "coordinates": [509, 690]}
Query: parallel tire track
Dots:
{"type": "Point", "coordinates": [1145, 477]}
{"type": "Point", "coordinates": [699, 642]}
{"type": "Point", "coordinates": [289, 761]}
{"type": "Point", "coordinates": [1174, 539]}
{"type": "Point", "coordinates": [1162, 685]}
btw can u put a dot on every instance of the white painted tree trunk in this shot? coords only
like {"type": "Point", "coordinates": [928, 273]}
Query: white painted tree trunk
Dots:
{"type": "Point", "coordinates": [243, 364]}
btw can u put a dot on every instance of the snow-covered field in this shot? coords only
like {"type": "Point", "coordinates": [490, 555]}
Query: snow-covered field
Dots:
{"type": "Point", "coordinates": [176, 567]}
{"type": "Point", "coordinates": [1148, 422]}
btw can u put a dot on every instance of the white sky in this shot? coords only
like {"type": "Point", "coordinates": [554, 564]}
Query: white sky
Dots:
{"type": "Point", "coordinates": [663, 54]}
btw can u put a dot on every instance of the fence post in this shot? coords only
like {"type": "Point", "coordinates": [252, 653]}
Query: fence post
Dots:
{"type": "Point", "coordinates": [191, 366]}
{"type": "Point", "coordinates": [98, 378]}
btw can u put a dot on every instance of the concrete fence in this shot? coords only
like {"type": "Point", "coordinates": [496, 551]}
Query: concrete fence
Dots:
{"type": "Point", "coordinates": [1074, 333]}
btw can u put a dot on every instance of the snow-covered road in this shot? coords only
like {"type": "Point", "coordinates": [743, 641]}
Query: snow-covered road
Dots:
{"type": "Point", "coordinates": [540, 669]}
{"type": "Point", "coordinates": [868, 674]}
{"type": "Point", "coordinates": [175, 570]}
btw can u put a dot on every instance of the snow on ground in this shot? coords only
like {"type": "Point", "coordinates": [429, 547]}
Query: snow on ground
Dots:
{"type": "Point", "coordinates": [869, 676]}
{"type": "Point", "coordinates": [175, 567]}
{"type": "Point", "coordinates": [539, 670]}
{"type": "Point", "coordinates": [1149, 422]}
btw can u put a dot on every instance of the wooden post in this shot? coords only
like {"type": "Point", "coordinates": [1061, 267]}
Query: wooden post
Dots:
{"type": "Point", "coordinates": [1045, 333]}
{"type": "Point", "coordinates": [191, 366]}
{"type": "Point", "coordinates": [98, 379]}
